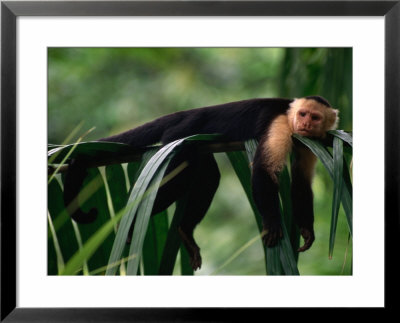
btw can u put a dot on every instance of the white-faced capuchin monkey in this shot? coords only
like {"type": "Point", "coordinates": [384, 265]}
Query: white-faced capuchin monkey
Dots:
{"type": "Point", "coordinates": [271, 121]}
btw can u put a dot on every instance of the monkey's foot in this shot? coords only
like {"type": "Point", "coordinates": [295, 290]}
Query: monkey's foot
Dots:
{"type": "Point", "coordinates": [195, 260]}
{"type": "Point", "coordinates": [308, 236]}
{"type": "Point", "coordinates": [271, 236]}
{"type": "Point", "coordinates": [192, 249]}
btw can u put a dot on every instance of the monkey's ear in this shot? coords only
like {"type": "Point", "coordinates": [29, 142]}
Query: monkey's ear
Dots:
{"type": "Point", "coordinates": [332, 119]}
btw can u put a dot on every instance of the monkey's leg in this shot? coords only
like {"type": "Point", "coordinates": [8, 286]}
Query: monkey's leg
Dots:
{"type": "Point", "coordinates": [199, 181]}
{"type": "Point", "coordinates": [182, 170]}
{"type": "Point", "coordinates": [200, 193]}
{"type": "Point", "coordinates": [302, 195]}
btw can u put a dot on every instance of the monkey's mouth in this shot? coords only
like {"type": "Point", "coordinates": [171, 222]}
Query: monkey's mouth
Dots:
{"type": "Point", "coordinates": [303, 132]}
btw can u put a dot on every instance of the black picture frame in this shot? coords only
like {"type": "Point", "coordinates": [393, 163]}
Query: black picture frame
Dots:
{"type": "Point", "coordinates": [11, 10]}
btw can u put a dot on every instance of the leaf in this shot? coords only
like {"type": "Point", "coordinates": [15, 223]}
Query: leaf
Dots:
{"type": "Point", "coordinates": [90, 246]}
{"type": "Point", "coordinates": [115, 177]}
{"type": "Point", "coordinates": [55, 153]}
{"type": "Point", "coordinates": [274, 265]}
{"type": "Point", "coordinates": [154, 242]}
{"type": "Point", "coordinates": [323, 154]}
{"type": "Point", "coordinates": [320, 151]}
{"type": "Point", "coordinates": [251, 147]}
{"type": "Point", "coordinates": [142, 220]}
{"type": "Point", "coordinates": [65, 234]}
{"type": "Point", "coordinates": [150, 176]}
{"type": "Point", "coordinates": [133, 171]}
{"type": "Point", "coordinates": [186, 268]}
{"type": "Point", "coordinates": [136, 196]}
{"type": "Point", "coordinates": [98, 200]}
{"type": "Point", "coordinates": [285, 194]}
{"type": "Point", "coordinates": [136, 168]}
{"type": "Point", "coordinates": [52, 146]}
{"type": "Point", "coordinates": [91, 148]}
{"type": "Point", "coordinates": [52, 269]}
{"type": "Point", "coordinates": [288, 260]}
{"type": "Point", "coordinates": [280, 259]}
{"type": "Point", "coordinates": [173, 241]}
{"type": "Point", "coordinates": [345, 136]}
{"type": "Point", "coordinates": [337, 189]}
{"type": "Point", "coordinates": [286, 210]}
{"type": "Point", "coordinates": [240, 165]}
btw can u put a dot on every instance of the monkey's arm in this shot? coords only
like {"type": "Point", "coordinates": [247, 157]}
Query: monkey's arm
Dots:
{"type": "Point", "coordinates": [268, 162]}
{"type": "Point", "coordinates": [302, 195]}
{"type": "Point", "coordinates": [266, 198]}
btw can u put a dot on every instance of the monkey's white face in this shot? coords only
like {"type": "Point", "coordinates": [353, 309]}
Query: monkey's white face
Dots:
{"type": "Point", "coordinates": [308, 122]}
{"type": "Point", "coordinates": [311, 119]}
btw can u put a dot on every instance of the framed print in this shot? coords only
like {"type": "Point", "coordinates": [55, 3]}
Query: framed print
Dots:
{"type": "Point", "coordinates": [114, 63]}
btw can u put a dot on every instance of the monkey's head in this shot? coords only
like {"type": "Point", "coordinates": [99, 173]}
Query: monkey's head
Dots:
{"type": "Point", "coordinates": [312, 116]}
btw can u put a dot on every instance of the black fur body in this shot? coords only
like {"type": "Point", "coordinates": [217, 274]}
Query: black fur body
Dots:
{"type": "Point", "coordinates": [236, 121]}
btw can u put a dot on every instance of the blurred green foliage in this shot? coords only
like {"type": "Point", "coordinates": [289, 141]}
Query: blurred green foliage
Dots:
{"type": "Point", "coordinates": [115, 89]}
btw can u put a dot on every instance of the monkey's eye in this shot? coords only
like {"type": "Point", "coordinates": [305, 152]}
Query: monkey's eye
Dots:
{"type": "Point", "coordinates": [302, 113]}
{"type": "Point", "coordinates": [316, 118]}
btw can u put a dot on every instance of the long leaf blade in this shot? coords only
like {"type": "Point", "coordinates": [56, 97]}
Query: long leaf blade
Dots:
{"type": "Point", "coordinates": [345, 136]}
{"type": "Point", "coordinates": [91, 148]}
{"type": "Point", "coordinates": [154, 242]}
{"type": "Point", "coordinates": [136, 196]}
{"type": "Point", "coordinates": [97, 199]}
{"type": "Point", "coordinates": [65, 232]}
{"type": "Point", "coordinates": [240, 165]}
{"type": "Point", "coordinates": [90, 246]}
{"type": "Point", "coordinates": [287, 217]}
{"type": "Point", "coordinates": [173, 241]}
{"type": "Point", "coordinates": [337, 189]}
{"type": "Point", "coordinates": [152, 173]}
{"type": "Point", "coordinates": [142, 220]}
{"type": "Point", "coordinates": [280, 259]}
{"type": "Point", "coordinates": [322, 153]}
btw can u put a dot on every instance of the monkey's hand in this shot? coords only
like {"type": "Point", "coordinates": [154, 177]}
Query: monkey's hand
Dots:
{"type": "Point", "coordinates": [308, 236]}
{"type": "Point", "coordinates": [271, 235]}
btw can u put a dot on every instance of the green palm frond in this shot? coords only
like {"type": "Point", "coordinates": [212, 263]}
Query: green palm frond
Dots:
{"type": "Point", "coordinates": [131, 190]}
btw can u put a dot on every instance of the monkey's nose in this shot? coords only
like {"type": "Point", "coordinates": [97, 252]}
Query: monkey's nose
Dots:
{"type": "Point", "coordinates": [305, 126]}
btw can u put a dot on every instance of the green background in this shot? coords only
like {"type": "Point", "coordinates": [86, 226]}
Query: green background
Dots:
{"type": "Point", "coordinates": [115, 89]}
